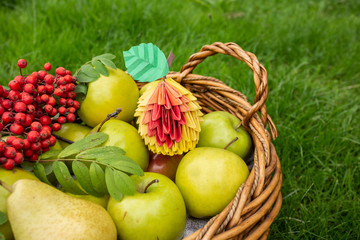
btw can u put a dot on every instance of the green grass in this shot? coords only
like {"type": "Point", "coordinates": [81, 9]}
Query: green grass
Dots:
{"type": "Point", "coordinates": [309, 48]}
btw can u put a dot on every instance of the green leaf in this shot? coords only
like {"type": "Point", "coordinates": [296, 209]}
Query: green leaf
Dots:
{"type": "Point", "coordinates": [81, 88]}
{"type": "Point", "coordinates": [65, 179]}
{"type": "Point", "coordinates": [83, 78]}
{"type": "Point", "coordinates": [108, 63]}
{"type": "Point", "coordinates": [124, 182]}
{"type": "Point", "coordinates": [146, 62]}
{"type": "Point", "coordinates": [97, 177]}
{"type": "Point", "coordinates": [112, 187]}
{"type": "Point", "coordinates": [105, 56]}
{"type": "Point", "coordinates": [130, 167]}
{"type": "Point", "coordinates": [90, 71]}
{"type": "Point", "coordinates": [39, 172]}
{"type": "Point", "coordinates": [52, 154]}
{"type": "Point", "coordinates": [3, 218]}
{"type": "Point", "coordinates": [100, 67]}
{"type": "Point", "coordinates": [2, 237]}
{"type": "Point", "coordinates": [88, 142]}
{"type": "Point", "coordinates": [82, 174]}
{"type": "Point", "coordinates": [101, 152]}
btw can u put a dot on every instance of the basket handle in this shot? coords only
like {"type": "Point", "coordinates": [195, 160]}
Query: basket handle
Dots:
{"type": "Point", "coordinates": [260, 76]}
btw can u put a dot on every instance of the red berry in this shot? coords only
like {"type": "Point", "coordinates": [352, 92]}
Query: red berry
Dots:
{"type": "Point", "coordinates": [45, 133]}
{"type": "Point", "coordinates": [36, 126]}
{"type": "Point", "coordinates": [20, 80]}
{"type": "Point", "coordinates": [3, 160]}
{"type": "Point", "coordinates": [56, 126]}
{"type": "Point", "coordinates": [20, 107]}
{"type": "Point", "coordinates": [69, 102]}
{"type": "Point", "coordinates": [2, 110]}
{"type": "Point", "coordinates": [63, 88]}
{"type": "Point", "coordinates": [20, 118]}
{"type": "Point", "coordinates": [58, 92]}
{"type": "Point", "coordinates": [3, 146]}
{"type": "Point", "coordinates": [10, 139]}
{"type": "Point", "coordinates": [51, 101]}
{"type": "Point", "coordinates": [60, 71]}
{"type": "Point", "coordinates": [28, 152]}
{"type": "Point", "coordinates": [44, 98]}
{"type": "Point", "coordinates": [9, 164]}
{"type": "Point", "coordinates": [16, 128]}
{"type": "Point", "coordinates": [30, 108]}
{"type": "Point", "coordinates": [18, 143]}
{"type": "Point", "coordinates": [62, 110]}
{"type": "Point", "coordinates": [28, 121]}
{"type": "Point", "coordinates": [1, 126]}
{"type": "Point", "coordinates": [35, 74]}
{"type": "Point", "coordinates": [45, 149]}
{"type": "Point", "coordinates": [1, 90]}
{"type": "Point", "coordinates": [47, 66]}
{"type": "Point", "coordinates": [62, 101]}
{"type": "Point", "coordinates": [31, 79]}
{"type": "Point", "coordinates": [68, 73]}
{"type": "Point", "coordinates": [71, 95]}
{"type": "Point", "coordinates": [71, 117]}
{"type": "Point", "coordinates": [9, 152]}
{"type": "Point", "coordinates": [42, 74]}
{"type": "Point", "coordinates": [45, 143]}
{"type": "Point", "coordinates": [35, 146]}
{"type": "Point", "coordinates": [6, 103]}
{"type": "Point", "coordinates": [52, 139]}
{"type": "Point", "coordinates": [49, 88]}
{"type": "Point", "coordinates": [53, 112]}
{"type": "Point", "coordinates": [33, 136]}
{"type": "Point", "coordinates": [62, 81]}
{"type": "Point", "coordinates": [19, 158]}
{"type": "Point", "coordinates": [14, 85]}
{"type": "Point", "coordinates": [34, 157]}
{"type": "Point", "coordinates": [49, 79]}
{"type": "Point", "coordinates": [38, 112]}
{"type": "Point", "coordinates": [47, 128]}
{"type": "Point", "coordinates": [5, 93]}
{"type": "Point", "coordinates": [45, 120]}
{"type": "Point", "coordinates": [48, 108]}
{"type": "Point", "coordinates": [71, 110]}
{"type": "Point", "coordinates": [38, 99]}
{"type": "Point", "coordinates": [22, 63]}
{"type": "Point", "coordinates": [26, 144]}
{"type": "Point", "coordinates": [41, 89]}
{"type": "Point", "coordinates": [13, 95]}
{"type": "Point", "coordinates": [26, 98]}
{"type": "Point", "coordinates": [68, 79]}
{"type": "Point", "coordinates": [61, 120]}
{"type": "Point", "coordinates": [29, 88]}
{"type": "Point", "coordinates": [7, 117]}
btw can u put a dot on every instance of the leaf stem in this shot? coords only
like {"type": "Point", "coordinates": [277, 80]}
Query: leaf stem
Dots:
{"type": "Point", "coordinates": [111, 115]}
{"type": "Point", "coordinates": [6, 186]}
{"type": "Point", "coordinates": [232, 141]}
{"type": "Point", "coordinates": [77, 72]}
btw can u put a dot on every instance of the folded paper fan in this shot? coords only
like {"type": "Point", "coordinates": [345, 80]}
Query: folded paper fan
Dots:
{"type": "Point", "coordinates": [169, 118]}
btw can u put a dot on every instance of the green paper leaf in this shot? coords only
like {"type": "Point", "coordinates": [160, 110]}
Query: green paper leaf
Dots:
{"type": "Point", "coordinates": [108, 63]}
{"type": "Point", "coordinates": [3, 218]}
{"type": "Point", "coordinates": [88, 142]}
{"type": "Point", "coordinates": [81, 88]}
{"type": "Point", "coordinates": [65, 179]}
{"type": "Point", "coordinates": [97, 177]}
{"type": "Point", "coordinates": [101, 152]}
{"type": "Point", "coordinates": [82, 174]}
{"type": "Point", "coordinates": [39, 171]}
{"type": "Point", "coordinates": [83, 78]}
{"type": "Point", "coordinates": [52, 154]}
{"type": "Point", "coordinates": [113, 188]}
{"type": "Point", "coordinates": [105, 56]}
{"type": "Point", "coordinates": [146, 62]}
{"type": "Point", "coordinates": [100, 67]}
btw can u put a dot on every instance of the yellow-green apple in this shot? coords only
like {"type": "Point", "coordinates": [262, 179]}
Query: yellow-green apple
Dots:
{"type": "Point", "coordinates": [155, 211]}
{"type": "Point", "coordinates": [10, 177]}
{"type": "Point", "coordinates": [126, 136]}
{"type": "Point", "coordinates": [106, 94]}
{"type": "Point", "coordinates": [73, 132]}
{"type": "Point", "coordinates": [208, 179]}
{"type": "Point", "coordinates": [219, 128]}
{"type": "Point", "coordinates": [164, 164]}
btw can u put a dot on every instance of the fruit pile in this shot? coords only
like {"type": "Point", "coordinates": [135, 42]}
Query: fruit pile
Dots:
{"type": "Point", "coordinates": [33, 107]}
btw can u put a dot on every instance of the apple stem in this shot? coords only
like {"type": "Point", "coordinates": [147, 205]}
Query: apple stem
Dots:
{"type": "Point", "coordinates": [111, 115]}
{"type": "Point", "coordinates": [6, 186]}
{"type": "Point", "coordinates": [150, 183]}
{"type": "Point", "coordinates": [63, 139]}
{"type": "Point", "coordinates": [232, 141]}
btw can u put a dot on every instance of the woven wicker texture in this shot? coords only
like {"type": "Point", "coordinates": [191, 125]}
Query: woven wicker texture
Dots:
{"type": "Point", "coordinates": [258, 201]}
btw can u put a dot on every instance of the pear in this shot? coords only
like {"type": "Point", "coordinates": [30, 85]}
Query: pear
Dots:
{"type": "Point", "coordinates": [37, 211]}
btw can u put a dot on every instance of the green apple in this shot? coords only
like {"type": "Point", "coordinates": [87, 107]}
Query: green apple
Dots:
{"type": "Point", "coordinates": [208, 179]}
{"type": "Point", "coordinates": [154, 212]}
{"type": "Point", "coordinates": [72, 132]}
{"type": "Point", "coordinates": [10, 177]}
{"type": "Point", "coordinates": [106, 94]}
{"type": "Point", "coordinates": [126, 136]}
{"type": "Point", "coordinates": [219, 128]}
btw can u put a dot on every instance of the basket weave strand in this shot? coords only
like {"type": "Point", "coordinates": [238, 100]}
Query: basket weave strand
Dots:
{"type": "Point", "coordinates": [258, 201]}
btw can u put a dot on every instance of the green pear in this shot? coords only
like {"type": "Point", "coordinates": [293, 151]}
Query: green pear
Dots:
{"type": "Point", "coordinates": [10, 177]}
{"type": "Point", "coordinates": [38, 211]}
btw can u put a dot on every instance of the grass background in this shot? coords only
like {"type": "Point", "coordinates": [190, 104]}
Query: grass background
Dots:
{"type": "Point", "coordinates": [309, 48]}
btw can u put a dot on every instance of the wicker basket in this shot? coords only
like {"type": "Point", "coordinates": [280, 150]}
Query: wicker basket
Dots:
{"type": "Point", "coordinates": [258, 201]}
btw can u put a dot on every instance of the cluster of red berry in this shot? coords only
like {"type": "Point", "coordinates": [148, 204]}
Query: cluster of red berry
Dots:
{"type": "Point", "coordinates": [35, 105]}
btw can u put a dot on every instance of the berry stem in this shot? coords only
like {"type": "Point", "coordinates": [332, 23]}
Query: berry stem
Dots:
{"type": "Point", "coordinates": [63, 139]}
{"type": "Point", "coordinates": [232, 141]}
{"type": "Point", "coordinates": [111, 115]}
{"type": "Point", "coordinates": [150, 183]}
{"type": "Point", "coordinates": [6, 186]}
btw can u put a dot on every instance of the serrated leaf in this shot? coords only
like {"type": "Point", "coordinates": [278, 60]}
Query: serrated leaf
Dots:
{"type": "Point", "coordinates": [81, 88]}
{"type": "Point", "coordinates": [52, 154]}
{"type": "Point", "coordinates": [108, 63]}
{"type": "Point", "coordinates": [130, 167]}
{"type": "Point", "coordinates": [90, 71]}
{"type": "Point", "coordinates": [83, 78]}
{"type": "Point", "coordinates": [82, 174]}
{"type": "Point", "coordinates": [101, 152]}
{"type": "Point", "coordinates": [146, 62]}
{"type": "Point", "coordinates": [65, 179]}
{"type": "Point", "coordinates": [97, 177]}
{"type": "Point", "coordinates": [40, 173]}
{"type": "Point", "coordinates": [3, 218]}
{"type": "Point", "coordinates": [88, 142]}
{"type": "Point", "coordinates": [114, 191]}
{"type": "Point", "coordinates": [100, 67]}
{"type": "Point", "coordinates": [105, 56]}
